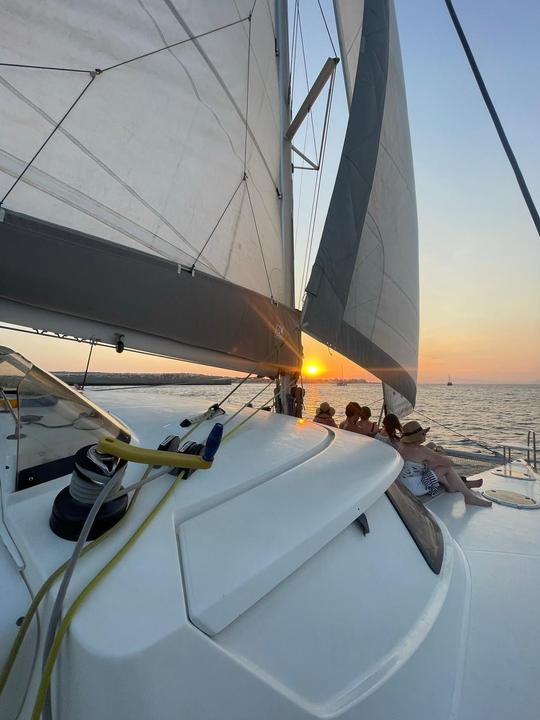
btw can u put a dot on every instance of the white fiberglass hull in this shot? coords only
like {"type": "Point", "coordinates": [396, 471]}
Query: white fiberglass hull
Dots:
{"type": "Point", "coordinates": [255, 594]}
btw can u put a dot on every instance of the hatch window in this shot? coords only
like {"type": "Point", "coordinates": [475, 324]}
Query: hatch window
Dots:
{"type": "Point", "coordinates": [48, 420]}
{"type": "Point", "coordinates": [420, 523]}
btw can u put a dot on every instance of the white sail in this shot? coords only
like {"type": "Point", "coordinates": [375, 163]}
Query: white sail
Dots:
{"type": "Point", "coordinates": [174, 151]}
{"type": "Point", "coordinates": [362, 297]}
{"type": "Point", "coordinates": [349, 19]}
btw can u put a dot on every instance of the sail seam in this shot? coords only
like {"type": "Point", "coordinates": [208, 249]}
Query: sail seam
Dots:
{"type": "Point", "coordinates": [395, 164]}
{"type": "Point", "coordinates": [402, 291]}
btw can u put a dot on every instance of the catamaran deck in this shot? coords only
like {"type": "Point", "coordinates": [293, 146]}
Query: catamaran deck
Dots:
{"type": "Point", "coordinates": [501, 632]}
{"type": "Point", "coordinates": [254, 593]}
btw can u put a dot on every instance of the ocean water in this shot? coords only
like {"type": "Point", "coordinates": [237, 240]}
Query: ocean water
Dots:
{"type": "Point", "coordinates": [458, 415]}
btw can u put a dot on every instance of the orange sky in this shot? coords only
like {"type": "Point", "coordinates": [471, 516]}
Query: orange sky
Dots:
{"type": "Point", "coordinates": [481, 354]}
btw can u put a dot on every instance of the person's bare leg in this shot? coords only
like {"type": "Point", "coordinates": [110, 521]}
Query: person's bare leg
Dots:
{"type": "Point", "coordinates": [451, 481]}
{"type": "Point", "coordinates": [474, 483]}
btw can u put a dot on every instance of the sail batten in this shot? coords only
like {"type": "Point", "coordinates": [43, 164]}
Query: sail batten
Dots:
{"type": "Point", "coordinates": [362, 296]}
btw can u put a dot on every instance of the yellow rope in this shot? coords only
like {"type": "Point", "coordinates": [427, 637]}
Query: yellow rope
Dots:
{"type": "Point", "coordinates": [66, 621]}
{"type": "Point", "coordinates": [38, 597]}
{"type": "Point", "coordinates": [10, 660]}
{"type": "Point", "coordinates": [64, 625]}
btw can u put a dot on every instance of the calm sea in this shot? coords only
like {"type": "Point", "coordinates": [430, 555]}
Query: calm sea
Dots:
{"type": "Point", "coordinates": [492, 414]}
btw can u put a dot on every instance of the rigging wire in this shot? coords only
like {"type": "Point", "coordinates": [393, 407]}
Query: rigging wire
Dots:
{"type": "Point", "coordinates": [300, 192]}
{"type": "Point", "coordinates": [464, 437]}
{"type": "Point", "coordinates": [307, 83]}
{"type": "Point", "coordinates": [498, 126]}
{"type": "Point", "coordinates": [45, 67]}
{"type": "Point", "coordinates": [220, 403]}
{"type": "Point", "coordinates": [92, 344]}
{"type": "Point", "coordinates": [315, 202]}
{"type": "Point", "coordinates": [49, 136]}
{"type": "Point", "coordinates": [95, 73]}
{"type": "Point", "coordinates": [327, 29]}
{"type": "Point", "coordinates": [172, 45]}
{"type": "Point", "coordinates": [293, 49]}
{"type": "Point", "coordinates": [244, 178]}
{"type": "Point", "coordinates": [259, 239]}
{"type": "Point", "coordinates": [217, 223]}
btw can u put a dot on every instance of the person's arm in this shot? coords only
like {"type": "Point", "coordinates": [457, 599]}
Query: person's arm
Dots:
{"type": "Point", "coordinates": [435, 459]}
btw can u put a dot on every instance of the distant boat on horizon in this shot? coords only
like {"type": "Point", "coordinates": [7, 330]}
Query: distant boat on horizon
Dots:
{"type": "Point", "coordinates": [341, 381]}
{"type": "Point", "coordinates": [449, 381]}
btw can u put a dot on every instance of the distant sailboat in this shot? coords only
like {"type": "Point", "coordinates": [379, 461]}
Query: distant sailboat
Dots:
{"type": "Point", "coordinates": [341, 381]}
{"type": "Point", "coordinates": [449, 381]}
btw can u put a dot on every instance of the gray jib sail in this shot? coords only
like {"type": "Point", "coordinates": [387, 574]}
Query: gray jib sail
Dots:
{"type": "Point", "coordinates": [171, 153]}
{"type": "Point", "coordinates": [362, 297]}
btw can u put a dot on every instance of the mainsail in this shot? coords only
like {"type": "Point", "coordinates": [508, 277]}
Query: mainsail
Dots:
{"type": "Point", "coordinates": [141, 177]}
{"type": "Point", "coordinates": [362, 297]}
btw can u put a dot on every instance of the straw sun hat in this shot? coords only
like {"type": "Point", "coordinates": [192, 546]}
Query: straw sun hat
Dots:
{"type": "Point", "coordinates": [325, 408]}
{"type": "Point", "coordinates": [413, 432]}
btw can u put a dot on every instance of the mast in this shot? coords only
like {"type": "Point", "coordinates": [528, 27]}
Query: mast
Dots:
{"type": "Point", "coordinates": [287, 381]}
{"type": "Point", "coordinates": [286, 188]}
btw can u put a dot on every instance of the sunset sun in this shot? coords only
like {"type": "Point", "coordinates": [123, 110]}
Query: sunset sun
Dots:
{"type": "Point", "coordinates": [312, 369]}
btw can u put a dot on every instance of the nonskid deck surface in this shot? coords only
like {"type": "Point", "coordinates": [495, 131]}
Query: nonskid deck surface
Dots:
{"type": "Point", "coordinates": [501, 650]}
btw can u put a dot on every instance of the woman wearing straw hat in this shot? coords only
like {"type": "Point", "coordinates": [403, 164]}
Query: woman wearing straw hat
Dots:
{"type": "Point", "coordinates": [424, 469]}
{"type": "Point", "coordinates": [325, 415]}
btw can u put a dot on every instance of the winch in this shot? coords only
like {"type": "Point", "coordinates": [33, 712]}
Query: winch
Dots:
{"type": "Point", "coordinates": [93, 470]}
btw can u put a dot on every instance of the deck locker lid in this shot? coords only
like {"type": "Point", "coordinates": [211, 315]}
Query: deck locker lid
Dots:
{"type": "Point", "coordinates": [235, 553]}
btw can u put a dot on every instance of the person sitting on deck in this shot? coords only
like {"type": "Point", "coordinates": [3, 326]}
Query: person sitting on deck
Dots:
{"type": "Point", "coordinates": [425, 469]}
{"type": "Point", "coordinates": [352, 415]}
{"type": "Point", "coordinates": [365, 425]}
{"type": "Point", "coordinates": [325, 415]}
{"type": "Point", "coordinates": [389, 432]}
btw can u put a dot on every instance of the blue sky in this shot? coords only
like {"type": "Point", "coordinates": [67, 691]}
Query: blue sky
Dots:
{"type": "Point", "coordinates": [479, 250]}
